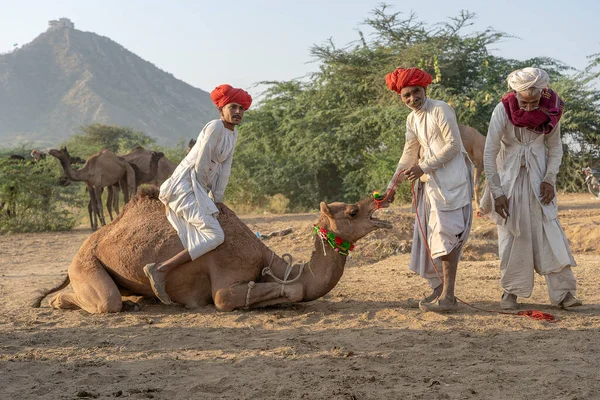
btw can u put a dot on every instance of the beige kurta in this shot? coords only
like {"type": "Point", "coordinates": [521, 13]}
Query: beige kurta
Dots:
{"type": "Point", "coordinates": [516, 162]}
{"type": "Point", "coordinates": [202, 174]}
{"type": "Point", "coordinates": [444, 202]}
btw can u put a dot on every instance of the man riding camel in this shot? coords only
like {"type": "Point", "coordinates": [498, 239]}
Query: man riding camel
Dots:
{"type": "Point", "coordinates": [197, 184]}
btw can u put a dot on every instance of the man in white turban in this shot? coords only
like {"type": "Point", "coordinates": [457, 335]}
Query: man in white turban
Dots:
{"type": "Point", "coordinates": [522, 156]}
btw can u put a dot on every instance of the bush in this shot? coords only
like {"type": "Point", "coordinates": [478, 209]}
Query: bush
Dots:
{"type": "Point", "coordinates": [31, 199]}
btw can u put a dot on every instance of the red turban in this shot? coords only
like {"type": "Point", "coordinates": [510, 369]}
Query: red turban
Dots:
{"type": "Point", "coordinates": [401, 78]}
{"type": "Point", "coordinates": [225, 94]}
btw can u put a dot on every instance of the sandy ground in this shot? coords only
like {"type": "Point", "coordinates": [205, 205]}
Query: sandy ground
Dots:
{"type": "Point", "coordinates": [361, 341]}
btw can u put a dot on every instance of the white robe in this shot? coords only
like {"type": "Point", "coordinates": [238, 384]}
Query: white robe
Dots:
{"type": "Point", "coordinates": [516, 162]}
{"type": "Point", "coordinates": [202, 174]}
{"type": "Point", "coordinates": [444, 201]}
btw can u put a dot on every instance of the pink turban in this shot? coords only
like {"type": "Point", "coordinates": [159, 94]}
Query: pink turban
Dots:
{"type": "Point", "coordinates": [225, 94]}
{"type": "Point", "coordinates": [401, 78]}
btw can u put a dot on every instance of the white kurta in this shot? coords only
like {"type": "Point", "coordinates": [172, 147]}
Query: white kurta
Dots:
{"type": "Point", "coordinates": [202, 174]}
{"type": "Point", "coordinates": [516, 162]}
{"type": "Point", "coordinates": [444, 202]}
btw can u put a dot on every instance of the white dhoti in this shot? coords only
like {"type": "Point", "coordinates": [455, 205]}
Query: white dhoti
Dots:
{"type": "Point", "coordinates": [530, 241]}
{"type": "Point", "coordinates": [199, 233]}
{"type": "Point", "coordinates": [445, 231]}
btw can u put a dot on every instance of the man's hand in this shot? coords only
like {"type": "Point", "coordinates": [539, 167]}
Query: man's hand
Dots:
{"type": "Point", "coordinates": [387, 198]}
{"type": "Point", "coordinates": [501, 206]}
{"type": "Point", "coordinates": [413, 173]}
{"type": "Point", "coordinates": [546, 192]}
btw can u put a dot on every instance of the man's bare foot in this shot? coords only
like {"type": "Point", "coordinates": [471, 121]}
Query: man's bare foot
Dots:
{"type": "Point", "coordinates": [158, 280]}
{"type": "Point", "coordinates": [509, 302]}
{"type": "Point", "coordinates": [414, 303]}
{"type": "Point", "coordinates": [441, 306]}
{"type": "Point", "coordinates": [570, 301]}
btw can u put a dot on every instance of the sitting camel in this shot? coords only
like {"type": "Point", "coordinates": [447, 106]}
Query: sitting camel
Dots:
{"type": "Point", "coordinates": [241, 272]}
{"type": "Point", "coordinates": [99, 171]}
{"type": "Point", "coordinates": [474, 143]}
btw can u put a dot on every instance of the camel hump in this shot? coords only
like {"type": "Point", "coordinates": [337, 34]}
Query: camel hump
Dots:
{"type": "Point", "coordinates": [148, 191]}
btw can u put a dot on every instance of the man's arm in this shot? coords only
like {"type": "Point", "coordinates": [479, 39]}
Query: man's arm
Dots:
{"type": "Point", "coordinates": [490, 154]}
{"type": "Point", "coordinates": [491, 150]}
{"type": "Point", "coordinates": [222, 180]}
{"type": "Point", "coordinates": [446, 120]}
{"type": "Point", "coordinates": [410, 155]}
{"type": "Point", "coordinates": [555, 154]}
{"type": "Point", "coordinates": [207, 142]}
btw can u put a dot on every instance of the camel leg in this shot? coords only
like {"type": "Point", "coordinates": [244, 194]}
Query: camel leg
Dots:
{"type": "Point", "coordinates": [476, 183]}
{"type": "Point", "coordinates": [261, 295]}
{"type": "Point", "coordinates": [92, 209]}
{"type": "Point", "coordinates": [93, 217]}
{"type": "Point", "coordinates": [109, 201]}
{"type": "Point", "coordinates": [116, 199]}
{"type": "Point", "coordinates": [99, 205]}
{"type": "Point", "coordinates": [124, 188]}
{"type": "Point", "coordinates": [94, 289]}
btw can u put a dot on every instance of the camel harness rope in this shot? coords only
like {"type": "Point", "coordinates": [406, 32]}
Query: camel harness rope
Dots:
{"type": "Point", "coordinates": [285, 281]}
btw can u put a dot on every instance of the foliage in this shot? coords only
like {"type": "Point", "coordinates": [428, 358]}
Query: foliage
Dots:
{"type": "Point", "coordinates": [338, 133]}
{"type": "Point", "coordinates": [95, 137]}
{"type": "Point", "coordinates": [31, 200]}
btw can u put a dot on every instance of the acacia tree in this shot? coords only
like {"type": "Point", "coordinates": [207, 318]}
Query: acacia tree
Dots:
{"type": "Point", "coordinates": [338, 133]}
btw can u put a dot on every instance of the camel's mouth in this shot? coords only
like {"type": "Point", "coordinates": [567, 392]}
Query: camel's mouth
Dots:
{"type": "Point", "coordinates": [378, 223]}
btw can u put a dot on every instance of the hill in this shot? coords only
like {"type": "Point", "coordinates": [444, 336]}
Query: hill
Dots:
{"type": "Point", "coordinates": [66, 78]}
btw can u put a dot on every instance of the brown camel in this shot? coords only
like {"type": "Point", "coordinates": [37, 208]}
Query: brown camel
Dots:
{"type": "Point", "coordinates": [143, 174]}
{"type": "Point", "coordinates": [190, 144]}
{"type": "Point", "coordinates": [474, 143]}
{"type": "Point", "coordinates": [99, 171]}
{"type": "Point", "coordinates": [241, 272]}
{"type": "Point", "coordinates": [141, 157]}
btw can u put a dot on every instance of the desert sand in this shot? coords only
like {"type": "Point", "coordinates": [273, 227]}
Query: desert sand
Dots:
{"type": "Point", "coordinates": [361, 341]}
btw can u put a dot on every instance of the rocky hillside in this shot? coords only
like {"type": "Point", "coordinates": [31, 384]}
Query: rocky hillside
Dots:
{"type": "Point", "coordinates": [66, 78]}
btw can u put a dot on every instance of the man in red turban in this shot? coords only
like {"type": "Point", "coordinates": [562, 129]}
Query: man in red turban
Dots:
{"type": "Point", "coordinates": [225, 94]}
{"type": "Point", "coordinates": [195, 190]}
{"type": "Point", "coordinates": [436, 161]}
{"type": "Point", "coordinates": [402, 78]}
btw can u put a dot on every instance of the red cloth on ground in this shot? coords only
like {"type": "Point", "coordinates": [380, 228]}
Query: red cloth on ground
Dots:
{"type": "Point", "coordinates": [401, 78]}
{"type": "Point", "coordinates": [225, 94]}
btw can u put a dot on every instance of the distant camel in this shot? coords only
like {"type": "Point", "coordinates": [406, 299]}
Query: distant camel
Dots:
{"type": "Point", "coordinates": [100, 170]}
{"type": "Point", "coordinates": [38, 155]}
{"type": "Point", "coordinates": [141, 157]}
{"type": "Point", "coordinates": [144, 173]}
{"type": "Point", "coordinates": [191, 144]}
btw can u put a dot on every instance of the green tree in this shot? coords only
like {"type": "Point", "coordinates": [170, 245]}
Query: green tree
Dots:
{"type": "Point", "coordinates": [338, 133]}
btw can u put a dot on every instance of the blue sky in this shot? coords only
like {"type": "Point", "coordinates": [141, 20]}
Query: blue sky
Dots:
{"type": "Point", "coordinates": [206, 43]}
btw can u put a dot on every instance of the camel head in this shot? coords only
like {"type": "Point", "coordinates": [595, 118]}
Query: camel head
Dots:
{"type": "Point", "coordinates": [155, 156]}
{"type": "Point", "coordinates": [351, 221]}
{"type": "Point", "coordinates": [191, 144]}
{"type": "Point", "coordinates": [61, 154]}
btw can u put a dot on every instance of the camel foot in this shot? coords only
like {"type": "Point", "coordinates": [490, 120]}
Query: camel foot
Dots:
{"type": "Point", "coordinates": [157, 281]}
{"type": "Point", "coordinates": [440, 306]}
{"type": "Point", "coordinates": [570, 301]}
